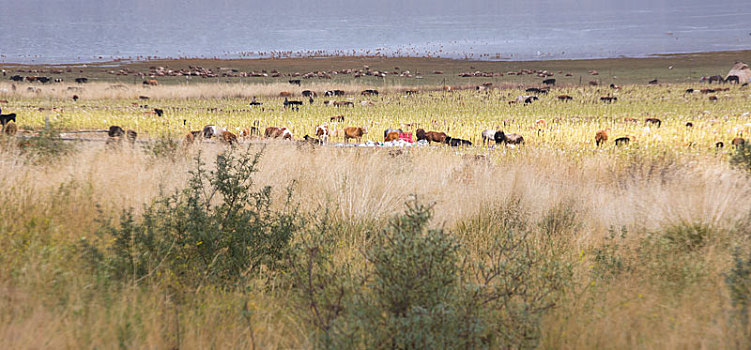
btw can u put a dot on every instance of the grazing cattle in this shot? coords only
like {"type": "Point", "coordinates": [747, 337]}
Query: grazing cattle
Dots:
{"type": "Point", "coordinates": [159, 112]}
{"type": "Point", "coordinates": [689, 91]}
{"type": "Point", "coordinates": [369, 92]}
{"type": "Point", "coordinates": [454, 142]}
{"type": "Point", "coordinates": [31, 79]}
{"type": "Point", "coordinates": [707, 91]}
{"type": "Point", "coordinates": [43, 80]}
{"type": "Point", "coordinates": [411, 92]}
{"type": "Point", "coordinates": [333, 93]}
{"type": "Point", "coordinates": [337, 118]}
{"type": "Point", "coordinates": [565, 98]}
{"type": "Point", "coordinates": [608, 99]}
{"type": "Point", "coordinates": [6, 118]}
{"type": "Point", "coordinates": [601, 136]}
{"type": "Point", "coordinates": [354, 132]}
{"type": "Point", "coordinates": [653, 82]}
{"type": "Point", "coordinates": [10, 129]}
{"type": "Point", "coordinates": [295, 82]}
{"type": "Point", "coordinates": [208, 131]}
{"type": "Point", "coordinates": [689, 124]}
{"type": "Point", "coordinates": [733, 79]}
{"type": "Point", "coordinates": [622, 141]}
{"type": "Point", "coordinates": [653, 121]}
{"type": "Point", "coordinates": [431, 136]}
{"type": "Point", "coordinates": [322, 132]}
{"type": "Point", "coordinates": [343, 104]}
{"type": "Point", "coordinates": [253, 131]}
{"type": "Point", "coordinates": [275, 133]}
{"type": "Point", "coordinates": [538, 90]}
{"type": "Point", "coordinates": [294, 104]}
{"type": "Point", "coordinates": [719, 145]}
{"type": "Point", "coordinates": [526, 99]}
{"type": "Point", "coordinates": [738, 142]}
{"type": "Point", "coordinates": [142, 97]}
{"type": "Point", "coordinates": [308, 93]}
{"type": "Point", "coordinates": [150, 82]}
{"type": "Point", "coordinates": [16, 78]}
{"type": "Point", "coordinates": [615, 87]}
{"type": "Point", "coordinates": [285, 94]}
{"type": "Point", "coordinates": [549, 81]}
{"type": "Point", "coordinates": [713, 98]}
{"type": "Point", "coordinates": [75, 98]}
{"type": "Point", "coordinates": [82, 80]}
{"type": "Point", "coordinates": [255, 103]}
{"type": "Point", "coordinates": [509, 139]}
{"type": "Point", "coordinates": [308, 139]}
{"type": "Point", "coordinates": [716, 79]}
{"type": "Point", "coordinates": [228, 138]}
{"type": "Point", "coordinates": [391, 136]}
{"type": "Point", "coordinates": [488, 135]}
{"type": "Point", "coordinates": [115, 131]}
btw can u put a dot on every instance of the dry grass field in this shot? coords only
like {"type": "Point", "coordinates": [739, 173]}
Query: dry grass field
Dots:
{"type": "Point", "coordinates": [557, 243]}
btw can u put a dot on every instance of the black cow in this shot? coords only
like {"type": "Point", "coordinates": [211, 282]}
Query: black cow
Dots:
{"type": "Point", "coordinates": [308, 93]}
{"type": "Point", "coordinates": [369, 92]}
{"type": "Point", "coordinates": [82, 80]}
{"type": "Point", "coordinates": [549, 81]}
{"type": "Point", "coordinates": [454, 142]}
{"type": "Point", "coordinates": [16, 78]}
{"type": "Point", "coordinates": [609, 99]}
{"type": "Point", "coordinates": [295, 104]}
{"type": "Point", "coordinates": [44, 80]}
{"type": "Point", "coordinates": [6, 118]}
{"type": "Point", "coordinates": [334, 93]}
{"type": "Point", "coordinates": [530, 99]}
{"type": "Point", "coordinates": [158, 111]}
{"type": "Point", "coordinates": [295, 82]}
{"type": "Point", "coordinates": [622, 141]}
{"type": "Point", "coordinates": [115, 131]}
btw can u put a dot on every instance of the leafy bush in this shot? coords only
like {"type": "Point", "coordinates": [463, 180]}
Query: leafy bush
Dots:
{"type": "Point", "coordinates": [164, 146]}
{"type": "Point", "coordinates": [420, 289]}
{"type": "Point", "coordinates": [46, 145]}
{"type": "Point", "coordinates": [218, 230]}
{"type": "Point", "coordinates": [738, 281]}
{"type": "Point", "coordinates": [741, 158]}
{"type": "Point", "coordinates": [609, 260]}
{"type": "Point", "coordinates": [673, 256]}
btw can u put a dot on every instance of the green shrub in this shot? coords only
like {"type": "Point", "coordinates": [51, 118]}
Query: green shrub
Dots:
{"type": "Point", "coordinates": [741, 158]}
{"type": "Point", "coordinates": [218, 230]}
{"type": "Point", "coordinates": [165, 147]}
{"type": "Point", "coordinates": [609, 261]}
{"type": "Point", "coordinates": [738, 281]}
{"type": "Point", "coordinates": [46, 145]}
{"type": "Point", "coordinates": [419, 288]}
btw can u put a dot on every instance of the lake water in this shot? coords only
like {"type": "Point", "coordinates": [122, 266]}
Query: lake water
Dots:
{"type": "Point", "coordinates": [65, 31]}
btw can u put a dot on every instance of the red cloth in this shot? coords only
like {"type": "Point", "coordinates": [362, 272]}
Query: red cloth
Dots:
{"type": "Point", "coordinates": [406, 136]}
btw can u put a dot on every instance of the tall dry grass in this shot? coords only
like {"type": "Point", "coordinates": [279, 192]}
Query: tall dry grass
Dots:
{"type": "Point", "coordinates": [49, 303]}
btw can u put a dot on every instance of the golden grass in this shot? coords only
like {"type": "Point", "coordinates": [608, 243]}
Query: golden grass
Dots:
{"type": "Point", "coordinates": [669, 176]}
{"type": "Point", "coordinates": [61, 200]}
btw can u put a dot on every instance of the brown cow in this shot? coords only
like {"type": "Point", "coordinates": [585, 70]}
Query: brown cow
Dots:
{"type": "Point", "coordinates": [151, 82]}
{"type": "Point", "coordinates": [565, 98]}
{"type": "Point", "coordinates": [354, 132]}
{"type": "Point", "coordinates": [430, 136]}
{"type": "Point", "coordinates": [337, 118]}
{"type": "Point", "coordinates": [322, 132]}
{"type": "Point", "coordinates": [229, 138]}
{"type": "Point", "coordinates": [343, 104]}
{"type": "Point", "coordinates": [274, 133]}
{"type": "Point", "coordinates": [285, 94]}
{"type": "Point", "coordinates": [601, 136]}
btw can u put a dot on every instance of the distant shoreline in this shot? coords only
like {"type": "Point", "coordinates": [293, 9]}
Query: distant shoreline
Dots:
{"type": "Point", "coordinates": [117, 62]}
